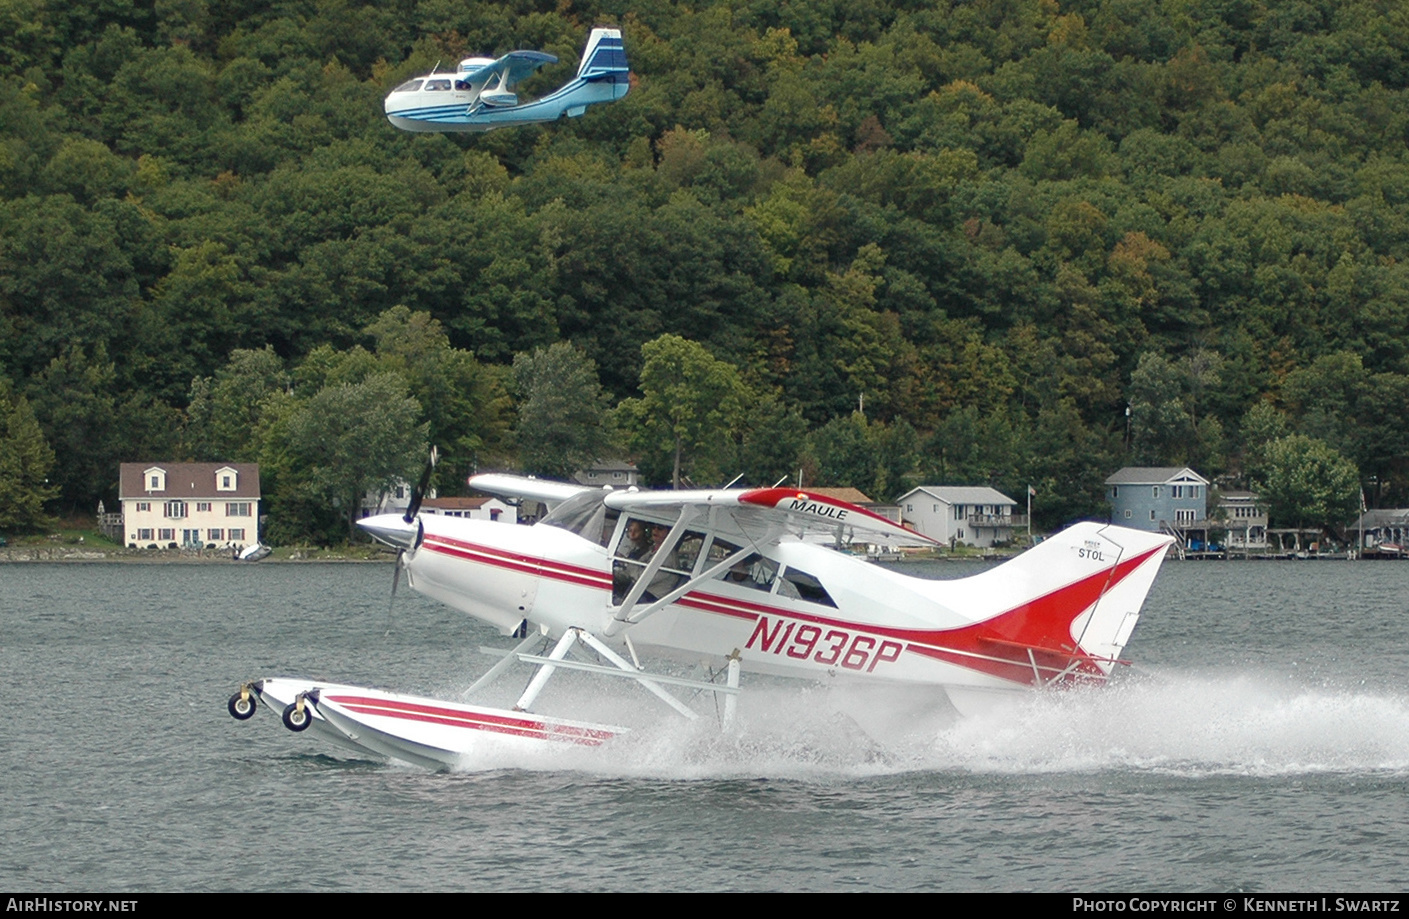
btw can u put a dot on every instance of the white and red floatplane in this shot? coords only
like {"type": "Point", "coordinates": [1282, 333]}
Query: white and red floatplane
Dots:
{"type": "Point", "coordinates": [728, 579]}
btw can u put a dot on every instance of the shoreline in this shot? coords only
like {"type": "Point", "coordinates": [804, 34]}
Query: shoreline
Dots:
{"type": "Point", "coordinates": [20, 555]}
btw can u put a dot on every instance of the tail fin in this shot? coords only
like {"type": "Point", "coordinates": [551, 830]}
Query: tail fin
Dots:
{"type": "Point", "coordinates": [1065, 608]}
{"type": "Point", "coordinates": [605, 58]}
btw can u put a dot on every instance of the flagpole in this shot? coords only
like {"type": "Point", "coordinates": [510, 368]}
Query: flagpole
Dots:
{"type": "Point", "coordinates": [1029, 515]}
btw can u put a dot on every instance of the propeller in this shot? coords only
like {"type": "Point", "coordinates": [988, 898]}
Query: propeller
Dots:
{"type": "Point", "coordinates": [411, 516]}
{"type": "Point", "coordinates": [419, 492]}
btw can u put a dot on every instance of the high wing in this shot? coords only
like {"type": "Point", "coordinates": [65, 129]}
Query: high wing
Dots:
{"type": "Point", "coordinates": [788, 510]}
{"type": "Point", "coordinates": [513, 67]}
{"type": "Point", "coordinates": [520, 487]}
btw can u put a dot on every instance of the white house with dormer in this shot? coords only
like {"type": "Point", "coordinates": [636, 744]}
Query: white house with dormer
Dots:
{"type": "Point", "coordinates": [972, 514]}
{"type": "Point", "coordinates": [189, 505]}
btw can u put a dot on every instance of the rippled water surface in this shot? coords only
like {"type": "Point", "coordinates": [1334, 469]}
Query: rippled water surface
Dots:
{"type": "Point", "coordinates": [1260, 743]}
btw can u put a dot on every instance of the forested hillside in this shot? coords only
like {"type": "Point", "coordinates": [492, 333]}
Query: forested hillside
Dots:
{"type": "Point", "coordinates": [996, 241]}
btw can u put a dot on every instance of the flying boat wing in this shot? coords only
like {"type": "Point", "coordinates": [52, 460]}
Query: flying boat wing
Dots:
{"type": "Point", "coordinates": [515, 66]}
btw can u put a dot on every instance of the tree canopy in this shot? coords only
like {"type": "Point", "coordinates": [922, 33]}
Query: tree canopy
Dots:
{"type": "Point", "coordinates": [992, 226]}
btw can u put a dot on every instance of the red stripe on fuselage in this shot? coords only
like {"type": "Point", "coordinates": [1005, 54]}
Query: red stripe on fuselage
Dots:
{"type": "Point", "coordinates": [512, 561]}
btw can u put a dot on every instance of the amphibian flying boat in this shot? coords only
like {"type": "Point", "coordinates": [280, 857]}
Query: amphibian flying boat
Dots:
{"type": "Point", "coordinates": [479, 95]}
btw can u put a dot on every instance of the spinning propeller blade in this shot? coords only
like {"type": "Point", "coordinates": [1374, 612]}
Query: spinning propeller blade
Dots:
{"type": "Point", "coordinates": [412, 510]}
{"type": "Point", "coordinates": [419, 492]}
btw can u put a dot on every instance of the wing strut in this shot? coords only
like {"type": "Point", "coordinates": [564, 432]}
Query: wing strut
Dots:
{"type": "Point", "coordinates": [557, 658]}
{"type": "Point", "coordinates": [628, 616]}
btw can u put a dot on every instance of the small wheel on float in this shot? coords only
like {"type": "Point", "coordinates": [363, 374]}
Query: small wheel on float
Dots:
{"type": "Point", "coordinates": [242, 706]}
{"type": "Point", "coordinates": [296, 717]}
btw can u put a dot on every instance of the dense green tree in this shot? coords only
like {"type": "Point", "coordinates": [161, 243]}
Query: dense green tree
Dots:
{"type": "Point", "coordinates": [563, 422]}
{"type": "Point", "coordinates": [1309, 484]}
{"type": "Point", "coordinates": [342, 443]}
{"type": "Point", "coordinates": [25, 462]}
{"type": "Point", "coordinates": [226, 410]}
{"type": "Point", "coordinates": [691, 406]}
{"type": "Point", "coordinates": [463, 402]}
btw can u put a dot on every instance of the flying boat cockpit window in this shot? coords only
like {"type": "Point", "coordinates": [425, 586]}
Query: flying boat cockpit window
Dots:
{"type": "Point", "coordinates": [584, 514]}
{"type": "Point", "coordinates": [461, 86]}
{"type": "Point", "coordinates": [434, 86]}
{"type": "Point", "coordinates": [410, 86]}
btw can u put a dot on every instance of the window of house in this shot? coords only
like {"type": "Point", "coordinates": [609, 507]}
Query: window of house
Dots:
{"type": "Point", "coordinates": [202, 507]}
{"type": "Point", "coordinates": [1127, 513]}
{"type": "Point", "coordinates": [156, 483]}
{"type": "Point", "coordinates": [237, 509]}
{"type": "Point", "coordinates": [216, 533]}
{"type": "Point", "coordinates": [494, 513]}
{"type": "Point", "coordinates": [166, 533]}
{"type": "Point", "coordinates": [176, 509]}
{"type": "Point", "coordinates": [237, 535]}
{"type": "Point", "coordinates": [144, 507]}
{"type": "Point", "coordinates": [1154, 492]}
{"type": "Point", "coordinates": [1152, 515]}
{"type": "Point", "coordinates": [1176, 491]}
{"type": "Point", "coordinates": [1115, 491]}
{"type": "Point", "coordinates": [144, 533]}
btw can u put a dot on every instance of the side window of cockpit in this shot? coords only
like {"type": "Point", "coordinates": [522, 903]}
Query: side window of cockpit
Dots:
{"type": "Point", "coordinates": [803, 586]}
{"type": "Point", "coordinates": [752, 571]}
{"type": "Point", "coordinates": [461, 86]}
{"type": "Point", "coordinates": [433, 86]}
{"type": "Point", "coordinates": [410, 86]}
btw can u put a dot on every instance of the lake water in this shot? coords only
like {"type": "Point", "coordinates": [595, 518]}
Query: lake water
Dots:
{"type": "Point", "coordinates": [1259, 743]}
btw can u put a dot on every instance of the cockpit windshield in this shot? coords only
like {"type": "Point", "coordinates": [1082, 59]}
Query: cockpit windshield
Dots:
{"type": "Point", "coordinates": [584, 514]}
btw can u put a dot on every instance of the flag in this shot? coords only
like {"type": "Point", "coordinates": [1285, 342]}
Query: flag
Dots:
{"type": "Point", "coordinates": [1031, 492]}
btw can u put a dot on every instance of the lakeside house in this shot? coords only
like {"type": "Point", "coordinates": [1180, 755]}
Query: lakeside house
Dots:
{"type": "Point", "coordinates": [614, 472]}
{"type": "Point", "coordinates": [1244, 515]}
{"type": "Point", "coordinates": [476, 508]}
{"type": "Point", "coordinates": [973, 514]}
{"type": "Point", "coordinates": [1158, 498]}
{"type": "Point", "coordinates": [189, 505]}
{"type": "Point", "coordinates": [1385, 530]}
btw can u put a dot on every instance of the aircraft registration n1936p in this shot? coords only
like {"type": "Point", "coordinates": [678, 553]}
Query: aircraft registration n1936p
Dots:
{"type": "Point", "coordinates": [728, 579]}
{"type": "Point", "coordinates": [479, 95]}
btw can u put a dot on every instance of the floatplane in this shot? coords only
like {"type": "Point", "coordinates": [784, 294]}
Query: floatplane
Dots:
{"type": "Point", "coordinates": [731, 580]}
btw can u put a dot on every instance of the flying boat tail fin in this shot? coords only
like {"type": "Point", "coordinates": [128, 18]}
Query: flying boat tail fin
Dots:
{"type": "Point", "coordinates": [1065, 609]}
{"type": "Point", "coordinates": [605, 58]}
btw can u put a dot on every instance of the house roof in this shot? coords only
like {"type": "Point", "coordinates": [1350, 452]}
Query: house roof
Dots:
{"type": "Point", "coordinates": [456, 504]}
{"type": "Point", "coordinates": [609, 465]}
{"type": "Point", "coordinates": [1154, 475]}
{"type": "Point", "coordinates": [850, 495]}
{"type": "Point", "coordinates": [187, 481]}
{"type": "Point", "coordinates": [961, 494]}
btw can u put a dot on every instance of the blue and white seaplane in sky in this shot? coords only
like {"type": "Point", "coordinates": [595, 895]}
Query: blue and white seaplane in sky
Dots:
{"type": "Point", "coordinates": [479, 95]}
{"type": "Point", "coordinates": [726, 580]}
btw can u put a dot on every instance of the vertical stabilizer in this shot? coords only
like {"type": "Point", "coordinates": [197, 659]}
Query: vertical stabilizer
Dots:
{"type": "Point", "coordinates": [605, 58]}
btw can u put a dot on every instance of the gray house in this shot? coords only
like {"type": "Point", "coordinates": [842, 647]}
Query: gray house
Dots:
{"type": "Point", "coordinates": [1157, 497]}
